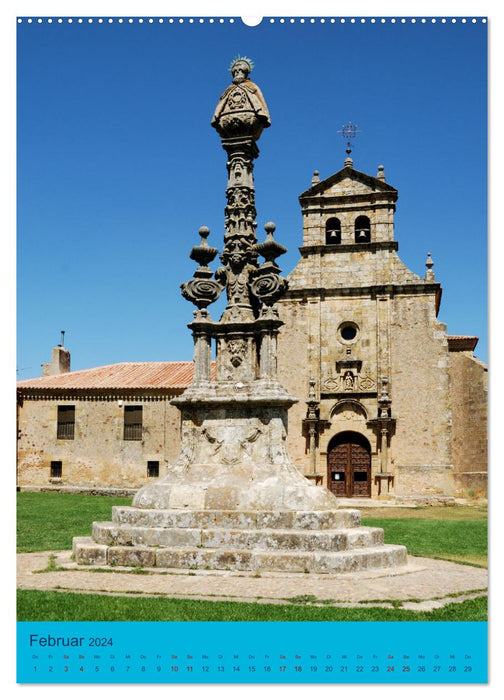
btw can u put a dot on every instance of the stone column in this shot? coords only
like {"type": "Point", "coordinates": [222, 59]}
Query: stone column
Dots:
{"type": "Point", "coordinates": [384, 450]}
{"type": "Point", "coordinates": [269, 343]}
{"type": "Point", "coordinates": [202, 353]}
{"type": "Point", "coordinates": [313, 445]}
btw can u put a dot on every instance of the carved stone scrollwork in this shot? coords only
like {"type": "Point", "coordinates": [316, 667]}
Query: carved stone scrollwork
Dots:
{"type": "Point", "coordinates": [349, 382]}
{"type": "Point", "coordinates": [267, 285]}
{"type": "Point", "coordinates": [201, 290]}
{"type": "Point", "coordinates": [240, 211]}
{"type": "Point", "coordinates": [331, 384]}
{"type": "Point", "coordinates": [366, 383]}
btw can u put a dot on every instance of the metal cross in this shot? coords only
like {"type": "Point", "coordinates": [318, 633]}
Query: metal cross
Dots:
{"type": "Point", "coordinates": [348, 132]}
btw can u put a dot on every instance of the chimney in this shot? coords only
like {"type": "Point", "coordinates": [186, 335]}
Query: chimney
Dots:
{"type": "Point", "coordinates": [60, 360]}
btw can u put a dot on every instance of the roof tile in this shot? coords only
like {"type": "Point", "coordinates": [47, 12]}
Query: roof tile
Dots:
{"type": "Point", "coordinates": [122, 375]}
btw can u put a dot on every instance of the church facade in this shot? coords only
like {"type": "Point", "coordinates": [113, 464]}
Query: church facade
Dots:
{"type": "Point", "coordinates": [390, 406]}
{"type": "Point", "coordinates": [393, 406]}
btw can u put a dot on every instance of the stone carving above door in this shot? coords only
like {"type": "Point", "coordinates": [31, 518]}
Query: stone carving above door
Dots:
{"type": "Point", "coordinates": [348, 382]}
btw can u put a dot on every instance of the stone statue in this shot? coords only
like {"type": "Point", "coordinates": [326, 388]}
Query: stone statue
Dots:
{"type": "Point", "coordinates": [241, 105]}
{"type": "Point", "coordinates": [233, 498]}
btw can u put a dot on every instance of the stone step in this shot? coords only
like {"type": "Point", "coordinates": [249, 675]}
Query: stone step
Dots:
{"type": "Point", "coordinates": [217, 538]}
{"type": "Point", "coordinates": [383, 556]}
{"type": "Point", "coordinates": [237, 520]}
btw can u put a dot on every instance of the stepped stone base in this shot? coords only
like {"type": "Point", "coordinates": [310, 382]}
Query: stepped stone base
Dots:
{"type": "Point", "coordinates": [295, 541]}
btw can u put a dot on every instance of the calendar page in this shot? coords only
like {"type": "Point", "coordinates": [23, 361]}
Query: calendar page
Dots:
{"type": "Point", "coordinates": [256, 454]}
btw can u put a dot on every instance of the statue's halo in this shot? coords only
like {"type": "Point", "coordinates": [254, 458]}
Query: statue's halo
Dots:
{"type": "Point", "coordinates": [241, 59]}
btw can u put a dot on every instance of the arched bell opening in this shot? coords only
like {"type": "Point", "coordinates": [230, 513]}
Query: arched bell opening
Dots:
{"type": "Point", "coordinates": [362, 229]}
{"type": "Point", "coordinates": [333, 231]}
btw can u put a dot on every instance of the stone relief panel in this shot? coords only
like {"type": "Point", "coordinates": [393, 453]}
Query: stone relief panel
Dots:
{"type": "Point", "coordinates": [236, 359]}
{"type": "Point", "coordinates": [231, 444]}
{"type": "Point", "coordinates": [349, 411]}
{"type": "Point", "coordinates": [348, 381]}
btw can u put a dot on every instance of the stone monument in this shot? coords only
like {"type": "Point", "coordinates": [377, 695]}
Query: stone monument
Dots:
{"type": "Point", "coordinates": [233, 499]}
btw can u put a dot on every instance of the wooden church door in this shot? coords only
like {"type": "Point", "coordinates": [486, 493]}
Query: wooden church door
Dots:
{"type": "Point", "coordinates": [349, 465]}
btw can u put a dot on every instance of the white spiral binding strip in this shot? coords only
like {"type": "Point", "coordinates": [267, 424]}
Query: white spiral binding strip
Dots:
{"type": "Point", "coordinates": [270, 20]}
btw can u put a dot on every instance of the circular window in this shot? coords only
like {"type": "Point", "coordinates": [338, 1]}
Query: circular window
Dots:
{"type": "Point", "coordinates": [348, 332]}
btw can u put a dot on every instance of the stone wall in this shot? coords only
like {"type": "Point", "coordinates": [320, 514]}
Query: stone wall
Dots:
{"type": "Point", "coordinates": [469, 394]}
{"type": "Point", "coordinates": [98, 455]}
{"type": "Point", "coordinates": [294, 346]}
{"type": "Point", "coordinates": [428, 485]}
{"type": "Point", "coordinates": [420, 388]}
{"type": "Point", "coordinates": [399, 336]}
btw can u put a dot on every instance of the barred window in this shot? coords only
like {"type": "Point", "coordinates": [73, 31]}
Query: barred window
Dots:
{"type": "Point", "coordinates": [56, 470]}
{"type": "Point", "coordinates": [153, 470]}
{"type": "Point", "coordinates": [66, 423]}
{"type": "Point", "coordinates": [132, 422]}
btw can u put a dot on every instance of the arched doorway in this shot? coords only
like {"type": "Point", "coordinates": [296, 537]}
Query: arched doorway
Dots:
{"type": "Point", "coordinates": [349, 465]}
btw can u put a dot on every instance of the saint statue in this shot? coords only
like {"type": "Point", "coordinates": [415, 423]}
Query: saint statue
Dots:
{"type": "Point", "coordinates": [241, 104]}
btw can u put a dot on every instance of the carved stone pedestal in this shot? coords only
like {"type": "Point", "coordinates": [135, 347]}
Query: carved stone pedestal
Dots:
{"type": "Point", "coordinates": [233, 499]}
{"type": "Point", "coordinates": [295, 541]}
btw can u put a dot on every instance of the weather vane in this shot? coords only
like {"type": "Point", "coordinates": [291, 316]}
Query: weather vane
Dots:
{"type": "Point", "coordinates": [349, 131]}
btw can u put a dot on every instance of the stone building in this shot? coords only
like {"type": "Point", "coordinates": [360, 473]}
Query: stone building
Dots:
{"type": "Point", "coordinates": [394, 407]}
{"type": "Point", "coordinates": [106, 427]}
{"type": "Point", "coordinates": [390, 406]}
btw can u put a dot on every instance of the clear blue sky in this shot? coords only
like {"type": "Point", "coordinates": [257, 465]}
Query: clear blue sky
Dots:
{"type": "Point", "coordinates": [118, 165]}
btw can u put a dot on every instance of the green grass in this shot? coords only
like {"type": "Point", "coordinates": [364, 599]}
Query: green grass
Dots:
{"type": "Point", "coordinates": [48, 521]}
{"type": "Point", "coordinates": [459, 540]}
{"type": "Point", "coordinates": [72, 607]}
{"type": "Point", "coordinates": [456, 512]}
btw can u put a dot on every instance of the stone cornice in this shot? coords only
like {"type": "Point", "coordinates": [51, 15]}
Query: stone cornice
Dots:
{"type": "Point", "coordinates": [83, 394]}
{"type": "Point", "coordinates": [323, 202]}
{"type": "Point", "coordinates": [323, 249]}
{"type": "Point", "coordinates": [365, 290]}
{"type": "Point", "coordinates": [348, 172]}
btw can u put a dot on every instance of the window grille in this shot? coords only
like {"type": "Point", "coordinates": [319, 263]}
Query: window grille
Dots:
{"type": "Point", "coordinates": [132, 422]}
{"type": "Point", "coordinates": [66, 423]}
{"type": "Point", "coordinates": [56, 470]}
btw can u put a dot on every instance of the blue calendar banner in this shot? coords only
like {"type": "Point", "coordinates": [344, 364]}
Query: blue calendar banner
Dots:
{"type": "Point", "coordinates": [252, 652]}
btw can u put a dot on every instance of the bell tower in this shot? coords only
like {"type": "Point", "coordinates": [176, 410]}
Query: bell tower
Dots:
{"type": "Point", "coordinates": [347, 209]}
{"type": "Point", "coordinates": [357, 321]}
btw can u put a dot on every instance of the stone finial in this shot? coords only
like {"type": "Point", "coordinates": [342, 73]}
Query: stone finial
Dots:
{"type": "Point", "coordinates": [201, 290]}
{"type": "Point", "coordinates": [429, 264]}
{"type": "Point", "coordinates": [270, 249]}
{"type": "Point", "coordinates": [384, 402]}
{"type": "Point", "coordinates": [315, 179]}
{"type": "Point", "coordinates": [313, 411]}
{"type": "Point", "coordinates": [267, 284]}
{"type": "Point", "coordinates": [384, 391]}
{"type": "Point", "coordinates": [203, 253]}
{"type": "Point", "coordinates": [381, 173]}
{"type": "Point", "coordinates": [348, 162]}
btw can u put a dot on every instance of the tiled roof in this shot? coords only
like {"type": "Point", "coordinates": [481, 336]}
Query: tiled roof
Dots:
{"type": "Point", "coordinates": [462, 342]}
{"type": "Point", "coordinates": [123, 375]}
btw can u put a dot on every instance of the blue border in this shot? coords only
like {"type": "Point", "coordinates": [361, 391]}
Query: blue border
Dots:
{"type": "Point", "coordinates": [252, 652]}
